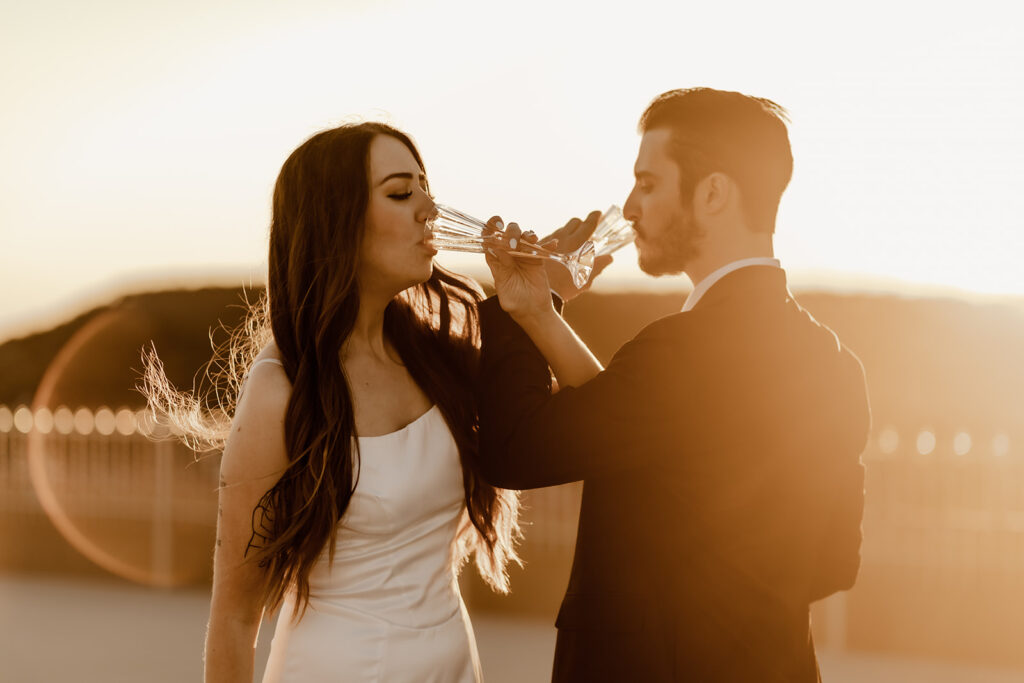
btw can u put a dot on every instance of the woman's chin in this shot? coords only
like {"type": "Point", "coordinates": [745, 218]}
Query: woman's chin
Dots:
{"type": "Point", "coordinates": [420, 277]}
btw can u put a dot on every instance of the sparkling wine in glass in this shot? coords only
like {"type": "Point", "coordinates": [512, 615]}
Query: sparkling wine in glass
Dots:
{"type": "Point", "coordinates": [612, 233]}
{"type": "Point", "coordinates": [453, 230]}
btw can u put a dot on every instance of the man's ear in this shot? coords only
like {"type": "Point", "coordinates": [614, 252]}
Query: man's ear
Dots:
{"type": "Point", "coordinates": [713, 193]}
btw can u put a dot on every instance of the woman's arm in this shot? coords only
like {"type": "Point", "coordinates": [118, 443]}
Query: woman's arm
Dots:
{"type": "Point", "coordinates": [253, 461]}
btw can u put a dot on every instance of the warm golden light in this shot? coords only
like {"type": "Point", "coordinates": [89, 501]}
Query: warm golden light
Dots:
{"type": "Point", "coordinates": [907, 153]}
{"type": "Point", "coordinates": [141, 142]}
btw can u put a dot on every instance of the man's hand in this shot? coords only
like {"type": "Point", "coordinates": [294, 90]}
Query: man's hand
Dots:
{"type": "Point", "coordinates": [521, 283]}
{"type": "Point", "coordinates": [568, 238]}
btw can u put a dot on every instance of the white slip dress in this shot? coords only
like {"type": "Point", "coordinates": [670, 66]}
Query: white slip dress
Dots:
{"type": "Point", "coordinates": [389, 610]}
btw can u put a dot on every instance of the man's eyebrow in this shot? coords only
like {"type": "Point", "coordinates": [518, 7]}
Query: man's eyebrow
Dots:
{"type": "Point", "coordinates": [643, 174]}
{"type": "Point", "coordinates": [404, 176]}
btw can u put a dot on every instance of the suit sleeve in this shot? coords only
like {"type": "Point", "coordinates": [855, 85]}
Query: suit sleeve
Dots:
{"type": "Point", "coordinates": [530, 438]}
{"type": "Point", "coordinates": [838, 560]}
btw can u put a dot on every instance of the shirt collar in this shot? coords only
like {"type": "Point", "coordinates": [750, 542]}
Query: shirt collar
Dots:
{"type": "Point", "coordinates": [704, 285]}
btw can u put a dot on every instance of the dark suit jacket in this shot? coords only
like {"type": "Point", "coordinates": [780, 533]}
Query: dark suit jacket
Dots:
{"type": "Point", "coordinates": [723, 489]}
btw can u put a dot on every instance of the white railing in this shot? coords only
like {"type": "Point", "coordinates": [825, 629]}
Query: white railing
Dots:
{"type": "Point", "coordinates": [950, 499]}
{"type": "Point", "coordinates": [116, 488]}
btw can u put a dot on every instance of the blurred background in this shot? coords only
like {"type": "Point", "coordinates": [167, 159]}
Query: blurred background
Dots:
{"type": "Point", "coordinates": [141, 142]}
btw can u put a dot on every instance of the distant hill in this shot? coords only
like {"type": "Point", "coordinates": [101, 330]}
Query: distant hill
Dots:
{"type": "Point", "coordinates": [939, 362]}
{"type": "Point", "coordinates": [109, 342]}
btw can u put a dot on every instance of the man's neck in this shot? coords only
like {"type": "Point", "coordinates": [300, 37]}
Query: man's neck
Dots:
{"type": "Point", "coordinates": [699, 270]}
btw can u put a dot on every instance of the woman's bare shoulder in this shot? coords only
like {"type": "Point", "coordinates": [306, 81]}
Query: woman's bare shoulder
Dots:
{"type": "Point", "coordinates": [267, 387]}
{"type": "Point", "coordinates": [256, 442]}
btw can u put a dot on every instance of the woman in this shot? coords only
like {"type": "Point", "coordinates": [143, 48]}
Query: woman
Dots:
{"type": "Point", "coordinates": [350, 492]}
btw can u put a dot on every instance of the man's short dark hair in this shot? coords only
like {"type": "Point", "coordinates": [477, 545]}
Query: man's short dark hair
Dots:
{"type": "Point", "coordinates": [720, 131]}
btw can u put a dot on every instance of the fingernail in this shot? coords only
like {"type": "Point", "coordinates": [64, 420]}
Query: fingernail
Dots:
{"type": "Point", "coordinates": [512, 242]}
{"type": "Point", "coordinates": [499, 224]}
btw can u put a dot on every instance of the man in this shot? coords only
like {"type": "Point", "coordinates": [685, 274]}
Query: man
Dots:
{"type": "Point", "coordinates": [719, 450]}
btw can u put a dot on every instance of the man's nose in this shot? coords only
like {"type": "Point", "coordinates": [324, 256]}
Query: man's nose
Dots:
{"type": "Point", "coordinates": [631, 209]}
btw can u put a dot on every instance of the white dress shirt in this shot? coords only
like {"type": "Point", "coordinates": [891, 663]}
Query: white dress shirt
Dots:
{"type": "Point", "coordinates": [704, 285]}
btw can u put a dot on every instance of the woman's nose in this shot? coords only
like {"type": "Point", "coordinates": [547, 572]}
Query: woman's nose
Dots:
{"type": "Point", "coordinates": [427, 208]}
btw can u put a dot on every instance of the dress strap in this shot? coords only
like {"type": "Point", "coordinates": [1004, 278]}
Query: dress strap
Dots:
{"type": "Point", "coordinates": [264, 361]}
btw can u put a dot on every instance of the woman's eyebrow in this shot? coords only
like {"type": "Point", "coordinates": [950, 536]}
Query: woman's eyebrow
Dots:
{"type": "Point", "coordinates": [404, 176]}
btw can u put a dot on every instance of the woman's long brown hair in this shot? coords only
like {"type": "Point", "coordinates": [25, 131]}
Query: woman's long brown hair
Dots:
{"type": "Point", "coordinates": [319, 207]}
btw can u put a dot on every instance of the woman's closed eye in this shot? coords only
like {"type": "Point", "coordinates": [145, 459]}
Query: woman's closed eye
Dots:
{"type": "Point", "coordinates": [401, 196]}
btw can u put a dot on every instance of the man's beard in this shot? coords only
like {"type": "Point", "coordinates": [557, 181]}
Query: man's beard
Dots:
{"type": "Point", "coordinates": [674, 249]}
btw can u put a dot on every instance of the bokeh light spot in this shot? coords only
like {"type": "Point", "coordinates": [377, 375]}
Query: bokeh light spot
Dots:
{"type": "Point", "coordinates": [44, 421]}
{"type": "Point", "coordinates": [105, 421]}
{"type": "Point", "coordinates": [1001, 445]}
{"type": "Point", "coordinates": [23, 419]}
{"type": "Point", "coordinates": [962, 443]}
{"type": "Point", "coordinates": [144, 419]}
{"type": "Point", "coordinates": [84, 422]}
{"type": "Point", "coordinates": [6, 419]}
{"type": "Point", "coordinates": [126, 422]}
{"type": "Point", "coordinates": [64, 420]}
{"type": "Point", "coordinates": [888, 441]}
{"type": "Point", "coordinates": [925, 442]}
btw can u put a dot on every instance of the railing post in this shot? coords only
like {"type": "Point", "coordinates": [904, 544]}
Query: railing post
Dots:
{"type": "Point", "coordinates": [163, 513]}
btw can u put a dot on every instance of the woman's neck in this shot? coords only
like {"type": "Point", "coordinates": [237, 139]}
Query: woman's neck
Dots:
{"type": "Point", "coordinates": [367, 336]}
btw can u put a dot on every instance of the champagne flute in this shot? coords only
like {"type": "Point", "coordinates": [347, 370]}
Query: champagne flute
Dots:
{"type": "Point", "coordinates": [453, 230]}
{"type": "Point", "coordinates": [612, 233]}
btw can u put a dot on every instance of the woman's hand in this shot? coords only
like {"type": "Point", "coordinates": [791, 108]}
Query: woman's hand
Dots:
{"type": "Point", "coordinates": [521, 283]}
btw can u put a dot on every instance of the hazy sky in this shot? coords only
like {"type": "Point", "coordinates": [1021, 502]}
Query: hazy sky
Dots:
{"type": "Point", "coordinates": [140, 141]}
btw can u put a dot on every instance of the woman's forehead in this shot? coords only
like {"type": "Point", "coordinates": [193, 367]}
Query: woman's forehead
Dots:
{"type": "Point", "coordinates": [388, 156]}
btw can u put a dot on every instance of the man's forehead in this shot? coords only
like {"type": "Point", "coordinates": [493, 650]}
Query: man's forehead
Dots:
{"type": "Point", "coordinates": [654, 149]}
